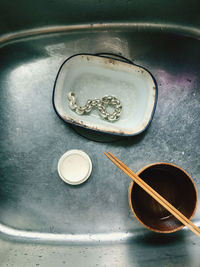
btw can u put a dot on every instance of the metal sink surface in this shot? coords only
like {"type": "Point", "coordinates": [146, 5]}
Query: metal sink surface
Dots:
{"type": "Point", "coordinates": [45, 222]}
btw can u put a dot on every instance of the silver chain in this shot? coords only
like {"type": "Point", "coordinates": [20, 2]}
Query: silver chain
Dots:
{"type": "Point", "coordinates": [101, 105]}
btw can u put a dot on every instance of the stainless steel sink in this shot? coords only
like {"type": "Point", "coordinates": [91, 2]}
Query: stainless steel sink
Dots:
{"type": "Point", "coordinates": [45, 222]}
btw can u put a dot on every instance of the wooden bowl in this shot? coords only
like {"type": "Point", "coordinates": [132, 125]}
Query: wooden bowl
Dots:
{"type": "Point", "coordinates": [175, 185]}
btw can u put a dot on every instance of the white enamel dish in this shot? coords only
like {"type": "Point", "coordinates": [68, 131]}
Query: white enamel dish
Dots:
{"type": "Point", "coordinates": [90, 77]}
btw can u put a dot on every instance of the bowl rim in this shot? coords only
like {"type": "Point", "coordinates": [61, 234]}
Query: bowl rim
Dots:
{"type": "Point", "coordinates": [131, 205]}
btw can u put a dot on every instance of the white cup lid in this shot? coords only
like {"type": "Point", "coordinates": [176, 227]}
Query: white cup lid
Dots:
{"type": "Point", "coordinates": [74, 167]}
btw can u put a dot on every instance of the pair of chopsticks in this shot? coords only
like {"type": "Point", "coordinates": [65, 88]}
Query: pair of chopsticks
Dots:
{"type": "Point", "coordinates": [162, 201]}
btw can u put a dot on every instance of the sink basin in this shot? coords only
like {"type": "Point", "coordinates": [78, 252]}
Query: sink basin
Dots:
{"type": "Point", "coordinates": [44, 221]}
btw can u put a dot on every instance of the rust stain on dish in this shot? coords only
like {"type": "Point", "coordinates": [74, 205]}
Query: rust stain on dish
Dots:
{"type": "Point", "coordinates": [111, 61]}
{"type": "Point", "coordinates": [154, 91]}
{"type": "Point", "coordinates": [82, 124]}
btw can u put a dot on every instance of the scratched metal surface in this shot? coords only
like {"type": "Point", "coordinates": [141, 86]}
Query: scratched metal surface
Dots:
{"type": "Point", "coordinates": [36, 207]}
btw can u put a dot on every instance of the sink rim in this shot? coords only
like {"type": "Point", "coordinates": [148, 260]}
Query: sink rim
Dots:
{"type": "Point", "coordinates": [189, 31]}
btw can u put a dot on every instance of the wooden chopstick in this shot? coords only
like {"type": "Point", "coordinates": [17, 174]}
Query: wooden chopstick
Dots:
{"type": "Point", "coordinates": [154, 194]}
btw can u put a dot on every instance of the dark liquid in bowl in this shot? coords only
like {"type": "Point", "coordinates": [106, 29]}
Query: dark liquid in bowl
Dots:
{"type": "Point", "coordinates": [175, 186]}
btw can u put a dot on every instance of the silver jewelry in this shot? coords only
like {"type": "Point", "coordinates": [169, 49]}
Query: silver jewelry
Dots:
{"type": "Point", "coordinates": [100, 104]}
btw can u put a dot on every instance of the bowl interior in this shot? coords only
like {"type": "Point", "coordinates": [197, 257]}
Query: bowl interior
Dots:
{"type": "Point", "coordinates": [174, 185]}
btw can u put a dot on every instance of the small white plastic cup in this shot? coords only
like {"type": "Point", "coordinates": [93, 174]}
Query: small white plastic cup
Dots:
{"type": "Point", "coordinates": [74, 167]}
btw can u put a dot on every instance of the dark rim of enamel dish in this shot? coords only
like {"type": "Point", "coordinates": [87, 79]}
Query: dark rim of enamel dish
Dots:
{"type": "Point", "coordinates": [114, 57]}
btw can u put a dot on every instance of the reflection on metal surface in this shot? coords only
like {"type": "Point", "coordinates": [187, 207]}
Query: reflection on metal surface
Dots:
{"type": "Point", "coordinates": [70, 239]}
{"type": "Point", "coordinates": [8, 232]}
{"type": "Point", "coordinates": [173, 28]}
